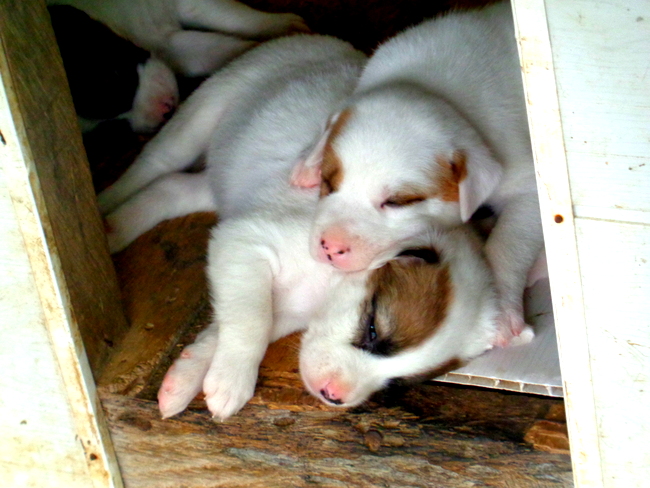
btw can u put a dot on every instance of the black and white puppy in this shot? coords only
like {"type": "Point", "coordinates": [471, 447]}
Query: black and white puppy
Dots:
{"type": "Point", "coordinates": [110, 77]}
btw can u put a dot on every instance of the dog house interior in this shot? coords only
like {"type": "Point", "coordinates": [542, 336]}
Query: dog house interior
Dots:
{"type": "Point", "coordinates": [87, 337]}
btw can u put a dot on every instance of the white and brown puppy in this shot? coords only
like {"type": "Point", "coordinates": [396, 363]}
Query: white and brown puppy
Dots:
{"type": "Point", "coordinates": [437, 128]}
{"type": "Point", "coordinates": [428, 310]}
{"type": "Point", "coordinates": [194, 37]}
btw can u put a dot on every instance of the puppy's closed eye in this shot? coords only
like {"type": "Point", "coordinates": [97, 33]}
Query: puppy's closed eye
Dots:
{"type": "Point", "coordinates": [369, 339]}
{"type": "Point", "coordinates": [398, 201]}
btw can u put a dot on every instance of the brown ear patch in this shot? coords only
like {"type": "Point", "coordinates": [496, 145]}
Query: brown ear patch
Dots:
{"type": "Point", "coordinates": [411, 302]}
{"type": "Point", "coordinates": [448, 175]}
{"type": "Point", "coordinates": [332, 168]}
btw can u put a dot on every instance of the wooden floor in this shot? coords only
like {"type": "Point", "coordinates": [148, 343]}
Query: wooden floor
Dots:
{"type": "Point", "coordinates": [432, 435]}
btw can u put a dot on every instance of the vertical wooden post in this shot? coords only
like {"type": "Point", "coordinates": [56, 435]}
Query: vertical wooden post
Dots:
{"type": "Point", "coordinates": [60, 305]}
{"type": "Point", "coordinates": [585, 71]}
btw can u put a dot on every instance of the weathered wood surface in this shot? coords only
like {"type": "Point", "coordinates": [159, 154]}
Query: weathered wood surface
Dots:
{"type": "Point", "coordinates": [588, 98]}
{"type": "Point", "coordinates": [59, 174]}
{"type": "Point", "coordinates": [162, 276]}
{"type": "Point", "coordinates": [261, 447]}
{"type": "Point", "coordinates": [58, 293]}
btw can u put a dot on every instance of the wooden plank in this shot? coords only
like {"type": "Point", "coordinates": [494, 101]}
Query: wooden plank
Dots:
{"type": "Point", "coordinates": [602, 81]}
{"type": "Point", "coordinates": [267, 448]}
{"type": "Point", "coordinates": [615, 263]}
{"type": "Point", "coordinates": [47, 129]}
{"type": "Point", "coordinates": [48, 183]}
{"type": "Point", "coordinates": [559, 232]}
{"type": "Point", "coordinates": [588, 108]}
{"type": "Point", "coordinates": [36, 426]}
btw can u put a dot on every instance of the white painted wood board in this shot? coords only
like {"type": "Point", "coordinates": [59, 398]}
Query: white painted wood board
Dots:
{"type": "Point", "coordinates": [39, 443]}
{"type": "Point", "coordinates": [52, 426]}
{"type": "Point", "coordinates": [586, 69]}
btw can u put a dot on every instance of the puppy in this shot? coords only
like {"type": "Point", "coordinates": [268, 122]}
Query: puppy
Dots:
{"type": "Point", "coordinates": [431, 308]}
{"type": "Point", "coordinates": [194, 37]}
{"type": "Point", "coordinates": [110, 77]}
{"type": "Point", "coordinates": [436, 128]}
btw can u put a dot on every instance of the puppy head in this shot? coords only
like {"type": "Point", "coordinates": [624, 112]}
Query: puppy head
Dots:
{"type": "Point", "coordinates": [425, 312]}
{"type": "Point", "coordinates": [388, 163]}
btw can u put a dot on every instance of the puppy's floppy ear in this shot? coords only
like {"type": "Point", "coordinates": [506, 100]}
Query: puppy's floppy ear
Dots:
{"type": "Point", "coordinates": [306, 172]}
{"type": "Point", "coordinates": [478, 175]}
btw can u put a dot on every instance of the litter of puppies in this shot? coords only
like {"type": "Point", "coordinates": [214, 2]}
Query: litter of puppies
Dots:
{"type": "Point", "coordinates": [344, 188]}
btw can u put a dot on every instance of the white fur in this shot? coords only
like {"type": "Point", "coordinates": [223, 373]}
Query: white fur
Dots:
{"type": "Point", "coordinates": [195, 37]}
{"type": "Point", "coordinates": [450, 84]}
{"type": "Point", "coordinates": [257, 120]}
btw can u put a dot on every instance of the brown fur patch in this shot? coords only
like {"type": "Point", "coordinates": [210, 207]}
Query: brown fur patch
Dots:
{"type": "Point", "coordinates": [448, 175]}
{"type": "Point", "coordinates": [331, 167]}
{"type": "Point", "coordinates": [411, 301]}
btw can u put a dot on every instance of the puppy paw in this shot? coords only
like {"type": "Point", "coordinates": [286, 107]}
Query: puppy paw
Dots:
{"type": "Point", "coordinates": [228, 388]}
{"type": "Point", "coordinates": [512, 330]}
{"type": "Point", "coordinates": [156, 98]}
{"type": "Point", "coordinates": [183, 380]}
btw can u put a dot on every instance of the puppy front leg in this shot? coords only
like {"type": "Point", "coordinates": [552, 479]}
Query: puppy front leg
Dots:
{"type": "Point", "coordinates": [512, 249]}
{"type": "Point", "coordinates": [237, 18]}
{"type": "Point", "coordinates": [241, 283]}
{"type": "Point", "coordinates": [168, 197]}
{"type": "Point", "coordinates": [180, 142]}
{"type": "Point", "coordinates": [198, 53]}
{"type": "Point", "coordinates": [184, 379]}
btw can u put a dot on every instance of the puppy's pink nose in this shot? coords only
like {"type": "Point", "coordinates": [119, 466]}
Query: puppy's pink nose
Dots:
{"type": "Point", "coordinates": [342, 250]}
{"type": "Point", "coordinates": [334, 248]}
{"type": "Point", "coordinates": [331, 395]}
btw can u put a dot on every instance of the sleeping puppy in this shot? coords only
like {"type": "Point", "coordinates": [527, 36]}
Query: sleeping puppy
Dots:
{"type": "Point", "coordinates": [436, 128]}
{"type": "Point", "coordinates": [194, 37]}
{"type": "Point", "coordinates": [431, 307]}
{"type": "Point", "coordinates": [110, 77]}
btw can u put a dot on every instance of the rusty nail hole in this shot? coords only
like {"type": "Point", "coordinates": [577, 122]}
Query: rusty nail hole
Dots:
{"type": "Point", "coordinates": [108, 342]}
{"type": "Point", "coordinates": [93, 457]}
{"type": "Point", "coordinates": [559, 219]}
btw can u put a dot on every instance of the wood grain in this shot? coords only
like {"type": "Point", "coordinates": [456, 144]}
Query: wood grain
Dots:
{"type": "Point", "coordinates": [162, 277]}
{"type": "Point", "coordinates": [587, 95]}
{"type": "Point", "coordinates": [268, 448]}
